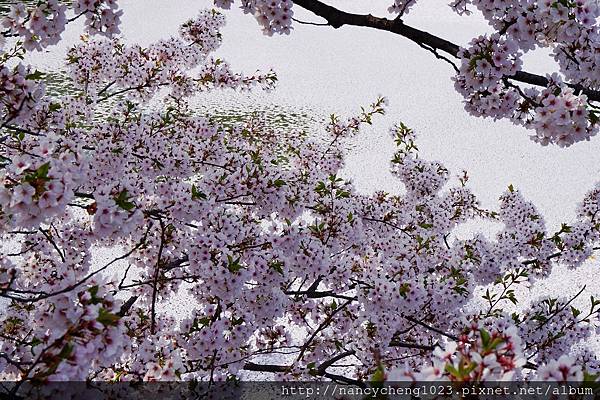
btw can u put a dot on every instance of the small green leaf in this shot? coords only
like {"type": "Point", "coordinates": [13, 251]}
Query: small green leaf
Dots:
{"type": "Point", "coordinates": [233, 265]}
{"type": "Point", "coordinates": [485, 337]}
{"type": "Point", "coordinates": [277, 266]}
{"type": "Point", "coordinates": [66, 351]}
{"type": "Point", "coordinates": [198, 195]}
{"type": "Point", "coordinates": [35, 76]}
{"type": "Point", "coordinates": [379, 375]}
{"type": "Point", "coordinates": [54, 107]}
{"type": "Point", "coordinates": [93, 290]}
{"type": "Point", "coordinates": [42, 171]}
{"type": "Point", "coordinates": [122, 200]}
{"type": "Point", "coordinates": [107, 318]}
{"type": "Point", "coordinates": [279, 183]}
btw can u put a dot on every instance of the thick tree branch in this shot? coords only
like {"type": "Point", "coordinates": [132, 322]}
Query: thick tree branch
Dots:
{"type": "Point", "coordinates": [337, 18]}
{"type": "Point", "coordinates": [127, 306]}
{"type": "Point", "coordinates": [321, 370]}
{"type": "Point", "coordinates": [432, 328]}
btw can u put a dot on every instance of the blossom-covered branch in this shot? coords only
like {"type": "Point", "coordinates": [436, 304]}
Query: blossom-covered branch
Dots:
{"type": "Point", "coordinates": [490, 68]}
{"type": "Point", "coordinates": [267, 251]}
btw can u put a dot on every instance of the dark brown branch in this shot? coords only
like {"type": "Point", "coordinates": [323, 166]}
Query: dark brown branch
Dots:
{"type": "Point", "coordinates": [431, 328]}
{"type": "Point", "coordinates": [319, 295]}
{"type": "Point", "coordinates": [308, 22]}
{"type": "Point", "coordinates": [406, 345]}
{"type": "Point", "coordinates": [266, 368]}
{"type": "Point", "coordinates": [322, 326]}
{"type": "Point", "coordinates": [550, 257]}
{"type": "Point", "coordinates": [559, 310]}
{"type": "Point", "coordinates": [345, 380]}
{"type": "Point", "coordinates": [155, 279]}
{"type": "Point", "coordinates": [322, 369]}
{"type": "Point", "coordinates": [337, 18]}
{"type": "Point", "coordinates": [125, 307]}
{"type": "Point", "coordinates": [18, 294]}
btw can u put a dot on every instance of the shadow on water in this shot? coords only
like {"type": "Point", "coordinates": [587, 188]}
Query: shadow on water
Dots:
{"type": "Point", "coordinates": [274, 116]}
{"type": "Point", "coordinates": [5, 5]}
{"type": "Point", "coordinates": [226, 109]}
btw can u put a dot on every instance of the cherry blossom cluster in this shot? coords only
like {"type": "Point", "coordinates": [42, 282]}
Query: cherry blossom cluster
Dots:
{"type": "Point", "coordinates": [19, 93]}
{"type": "Point", "coordinates": [101, 16]}
{"type": "Point", "coordinates": [479, 355]}
{"type": "Point", "coordinates": [571, 25]}
{"type": "Point", "coordinates": [483, 355]}
{"type": "Point", "coordinates": [37, 189]}
{"type": "Point", "coordinates": [565, 369]}
{"type": "Point", "coordinates": [73, 328]}
{"type": "Point", "coordinates": [274, 16]}
{"type": "Point", "coordinates": [142, 72]}
{"type": "Point", "coordinates": [484, 64]}
{"type": "Point", "coordinates": [42, 25]}
{"type": "Point", "coordinates": [561, 113]}
{"type": "Point", "coordinates": [257, 233]}
{"type": "Point", "coordinates": [556, 113]}
{"type": "Point", "coordinates": [401, 7]}
{"type": "Point", "coordinates": [203, 31]}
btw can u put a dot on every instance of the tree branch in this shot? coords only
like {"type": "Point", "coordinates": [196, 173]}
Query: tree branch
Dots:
{"type": "Point", "coordinates": [125, 307]}
{"type": "Point", "coordinates": [337, 18]}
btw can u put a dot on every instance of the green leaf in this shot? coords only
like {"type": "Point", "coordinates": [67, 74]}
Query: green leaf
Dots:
{"type": "Point", "coordinates": [452, 371]}
{"type": "Point", "coordinates": [107, 318]}
{"type": "Point", "coordinates": [66, 351]}
{"type": "Point", "coordinates": [589, 377]}
{"type": "Point", "coordinates": [379, 375]}
{"type": "Point", "coordinates": [54, 107]}
{"type": "Point", "coordinates": [593, 117]}
{"type": "Point", "coordinates": [321, 188]}
{"type": "Point", "coordinates": [35, 76]}
{"type": "Point", "coordinates": [42, 171]}
{"type": "Point", "coordinates": [277, 266]}
{"type": "Point", "coordinates": [342, 194]}
{"type": "Point", "coordinates": [279, 183]}
{"type": "Point", "coordinates": [485, 337]}
{"type": "Point", "coordinates": [495, 343]}
{"type": "Point", "coordinates": [233, 265]}
{"type": "Point", "coordinates": [469, 368]}
{"type": "Point", "coordinates": [198, 195]}
{"type": "Point", "coordinates": [512, 298]}
{"type": "Point", "coordinates": [404, 289]}
{"type": "Point", "coordinates": [93, 291]}
{"type": "Point", "coordinates": [122, 200]}
{"type": "Point", "coordinates": [204, 321]}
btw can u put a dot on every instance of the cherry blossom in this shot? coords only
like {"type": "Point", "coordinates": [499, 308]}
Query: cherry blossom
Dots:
{"type": "Point", "coordinates": [487, 77]}
{"type": "Point", "coordinates": [275, 262]}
